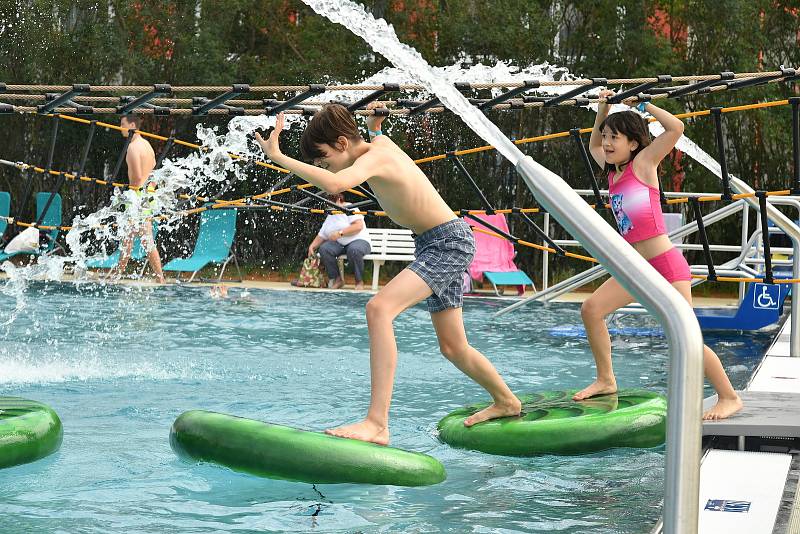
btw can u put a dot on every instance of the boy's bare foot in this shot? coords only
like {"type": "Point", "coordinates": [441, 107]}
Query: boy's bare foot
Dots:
{"type": "Point", "coordinates": [723, 409]}
{"type": "Point", "coordinates": [365, 431]}
{"type": "Point", "coordinates": [338, 284]}
{"type": "Point", "coordinates": [598, 387]}
{"type": "Point", "coordinates": [494, 411]}
{"type": "Point", "coordinates": [359, 286]}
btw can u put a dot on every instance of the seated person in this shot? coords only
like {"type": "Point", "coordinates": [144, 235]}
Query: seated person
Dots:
{"type": "Point", "coordinates": [342, 234]}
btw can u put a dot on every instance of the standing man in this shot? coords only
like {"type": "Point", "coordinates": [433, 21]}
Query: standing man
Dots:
{"type": "Point", "coordinates": [141, 160]}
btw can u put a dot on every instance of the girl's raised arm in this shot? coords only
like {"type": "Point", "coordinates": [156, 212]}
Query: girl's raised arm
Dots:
{"type": "Point", "coordinates": [596, 140]}
{"type": "Point", "coordinates": [664, 143]}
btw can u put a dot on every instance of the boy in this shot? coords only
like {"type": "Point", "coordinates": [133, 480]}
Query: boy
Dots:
{"type": "Point", "coordinates": [141, 161]}
{"type": "Point", "coordinates": [444, 248]}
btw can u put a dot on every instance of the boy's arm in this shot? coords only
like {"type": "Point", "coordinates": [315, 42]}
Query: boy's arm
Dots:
{"type": "Point", "coordinates": [664, 143]}
{"type": "Point", "coordinates": [374, 121]}
{"type": "Point", "coordinates": [362, 169]}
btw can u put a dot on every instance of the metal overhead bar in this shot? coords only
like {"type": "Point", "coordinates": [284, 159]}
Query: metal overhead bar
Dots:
{"type": "Point", "coordinates": [236, 90]}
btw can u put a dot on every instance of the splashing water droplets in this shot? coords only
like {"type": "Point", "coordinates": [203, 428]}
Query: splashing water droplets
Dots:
{"type": "Point", "coordinates": [382, 38]}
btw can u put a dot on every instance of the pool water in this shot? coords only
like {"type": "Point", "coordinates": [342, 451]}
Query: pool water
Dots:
{"type": "Point", "coordinates": [120, 364]}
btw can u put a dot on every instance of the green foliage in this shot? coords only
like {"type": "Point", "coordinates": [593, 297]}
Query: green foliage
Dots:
{"type": "Point", "coordinates": [220, 42]}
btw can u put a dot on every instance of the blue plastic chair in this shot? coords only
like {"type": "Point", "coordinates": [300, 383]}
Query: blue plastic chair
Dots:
{"type": "Point", "coordinates": [5, 210]}
{"type": "Point", "coordinates": [109, 262]}
{"type": "Point", "coordinates": [51, 218]}
{"type": "Point", "coordinates": [214, 242]}
{"type": "Point", "coordinates": [510, 278]}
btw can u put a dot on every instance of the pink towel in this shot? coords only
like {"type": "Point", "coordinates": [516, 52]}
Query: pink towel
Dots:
{"type": "Point", "coordinates": [494, 254]}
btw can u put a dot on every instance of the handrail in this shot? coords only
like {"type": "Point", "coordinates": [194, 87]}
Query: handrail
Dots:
{"type": "Point", "coordinates": [685, 381]}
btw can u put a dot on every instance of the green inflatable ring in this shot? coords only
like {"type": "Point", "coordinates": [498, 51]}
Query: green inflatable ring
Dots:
{"type": "Point", "coordinates": [552, 423]}
{"type": "Point", "coordinates": [276, 451]}
{"type": "Point", "coordinates": [29, 430]}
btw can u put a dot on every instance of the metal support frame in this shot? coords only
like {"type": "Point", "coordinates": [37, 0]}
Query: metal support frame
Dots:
{"type": "Point", "coordinates": [574, 92]}
{"type": "Point", "coordinates": [701, 230]}
{"type": "Point", "coordinates": [324, 200]}
{"type": "Point", "coordinates": [61, 176]}
{"type": "Point", "coordinates": [236, 90]}
{"type": "Point", "coordinates": [641, 88]}
{"type": "Point", "coordinates": [795, 103]}
{"type": "Point", "coordinates": [786, 75]}
{"type": "Point", "coordinates": [762, 213]}
{"type": "Point", "coordinates": [460, 166]}
{"type": "Point", "coordinates": [499, 99]}
{"type": "Point", "coordinates": [387, 88]}
{"type": "Point", "coordinates": [159, 90]}
{"type": "Point", "coordinates": [122, 154]}
{"type": "Point", "coordinates": [575, 133]}
{"type": "Point", "coordinates": [416, 110]}
{"type": "Point", "coordinates": [77, 89]}
{"type": "Point", "coordinates": [716, 114]}
{"type": "Point", "coordinates": [164, 151]}
{"type": "Point", "coordinates": [695, 87]}
{"type": "Point", "coordinates": [314, 89]}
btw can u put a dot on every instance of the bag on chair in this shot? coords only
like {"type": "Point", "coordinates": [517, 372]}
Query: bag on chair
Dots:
{"type": "Point", "coordinates": [310, 273]}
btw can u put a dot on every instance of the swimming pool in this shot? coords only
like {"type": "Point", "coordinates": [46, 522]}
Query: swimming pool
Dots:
{"type": "Point", "coordinates": [120, 364]}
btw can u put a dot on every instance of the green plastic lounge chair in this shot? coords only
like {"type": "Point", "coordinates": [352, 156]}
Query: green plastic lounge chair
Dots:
{"type": "Point", "coordinates": [109, 262]}
{"type": "Point", "coordinates": [214, 242]}
{"type": "Point", "coordinates": [51, 218]}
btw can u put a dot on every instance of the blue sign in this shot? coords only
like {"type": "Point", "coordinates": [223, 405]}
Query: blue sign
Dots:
{"type": "Point", "coordinates": [724, 505]}
{"type": "Point", "coordinates": [766, 296]}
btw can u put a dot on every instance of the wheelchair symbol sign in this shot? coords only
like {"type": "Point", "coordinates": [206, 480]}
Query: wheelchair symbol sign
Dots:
{"type": "Point", "coordinates": [766, 296]}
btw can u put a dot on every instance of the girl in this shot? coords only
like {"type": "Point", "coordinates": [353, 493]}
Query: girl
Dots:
{"type": "Point", "coordinates": [620, 143]}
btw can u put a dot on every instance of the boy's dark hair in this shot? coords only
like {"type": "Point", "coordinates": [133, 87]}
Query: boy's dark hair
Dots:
{"type": "Point", "coordinates": [332, 121]}
{"type": "Point", "coordinates": [632, 126]}
{"type": "Point", "coordinates": [134, 119]}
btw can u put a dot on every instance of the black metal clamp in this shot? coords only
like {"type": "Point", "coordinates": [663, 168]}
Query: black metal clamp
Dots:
{"type": "Point", "coordinates": [77, 89]}
{"type": "Point", "coordinates": [314, 89]}
{"type": "Point", "coordinates": [159, 90]}
{"type": "Point", "coordinates": [387, 88]}
{"type": "Point", "coordinates": [527, 85]}
{"type": "Point", "coordinates": [236, 90]}
{"type": "Point", "coordinates": [575, 92]}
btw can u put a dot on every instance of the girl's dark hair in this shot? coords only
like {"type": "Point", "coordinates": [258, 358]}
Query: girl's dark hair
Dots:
{"type": "Point", "coordinates": [632, 126]}
{"type": "Point", "coordinates": [332, 121]}
{"type": "Point", "coordinates": [335, 197]}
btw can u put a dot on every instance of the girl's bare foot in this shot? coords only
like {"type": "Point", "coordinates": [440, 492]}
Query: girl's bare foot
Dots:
{"type": "Point", "coordinates": [723, 409]}
{"type": "Point", "coordinates": [598, 387]}
{"type": "Point", "coordinates": [366, 430]}
{"type": "Point", "coordinates": [508, 409]}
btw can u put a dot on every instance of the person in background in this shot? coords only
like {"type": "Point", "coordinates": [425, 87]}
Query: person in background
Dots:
{"type": "Point", "coordinates": [342, 234]}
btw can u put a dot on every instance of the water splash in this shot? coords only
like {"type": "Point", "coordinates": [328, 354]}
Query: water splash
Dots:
{"type": "Point", "coordinates": [383, 39]}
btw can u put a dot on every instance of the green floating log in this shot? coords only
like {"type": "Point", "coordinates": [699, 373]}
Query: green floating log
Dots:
{"type": "Point", "coordinates": [281, 452]}
{"type": "Point", "coordinates": [553, 423]}
{"type": "Point", "coordinates": [29, 430]}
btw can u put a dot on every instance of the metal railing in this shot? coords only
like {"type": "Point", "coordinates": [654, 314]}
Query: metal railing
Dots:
{"type": "Point", "coordinates": [685, 380]}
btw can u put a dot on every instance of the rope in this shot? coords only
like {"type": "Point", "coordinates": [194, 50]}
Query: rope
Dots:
{"type": "Point", "coordinates": [394, 106]}
{"type": "Point", "coordinates": [403, 87]}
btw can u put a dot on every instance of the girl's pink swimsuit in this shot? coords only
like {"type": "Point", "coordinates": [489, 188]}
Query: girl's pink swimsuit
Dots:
{"type": "Point", "coordinates": [637, 209]}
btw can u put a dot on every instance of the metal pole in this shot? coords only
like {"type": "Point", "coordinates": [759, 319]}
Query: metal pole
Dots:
{"type": "Point", "coordinates": [745, 233]}
{"type": "Point", "coordinates": [795, 317]}
{"type": "Point", "coordinates": [790, 229]}
{"type": "Point", "coordinates": [685, 381]}
{"type": "Point", "coordinates": [546, 254]}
